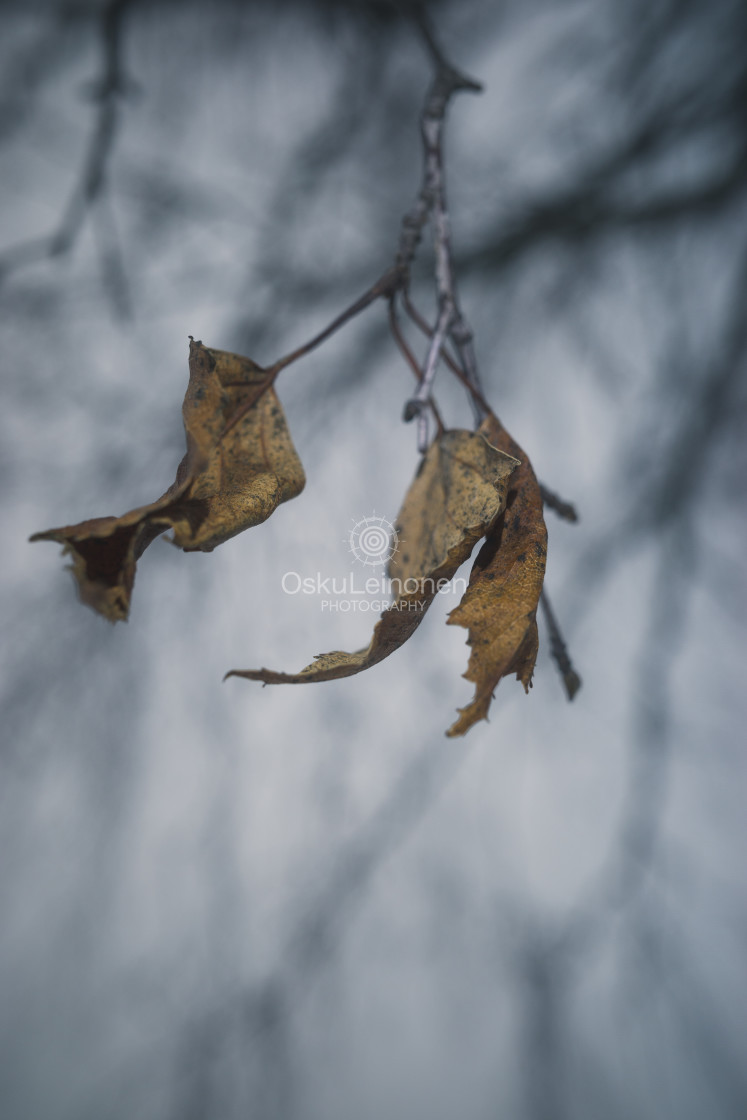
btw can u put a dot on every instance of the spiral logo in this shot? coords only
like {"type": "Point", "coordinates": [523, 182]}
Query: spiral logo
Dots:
{"type": "Point", "coordinates": [373, 540]}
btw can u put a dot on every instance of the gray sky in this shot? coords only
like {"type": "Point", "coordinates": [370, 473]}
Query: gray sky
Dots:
{"type": "Point", "coordinates": [221, 900]}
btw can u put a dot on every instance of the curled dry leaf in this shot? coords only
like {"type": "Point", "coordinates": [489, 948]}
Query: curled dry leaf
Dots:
{"type": "Point", "coordinates": [456, 495]}
{"type": "Point", "coordinates": [227, 481]}
{"type": "Point", "coordinates": [499, 607]}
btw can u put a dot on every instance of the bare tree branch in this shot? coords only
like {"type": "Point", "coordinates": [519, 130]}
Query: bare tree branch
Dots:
{"type": "Point", "coordinates": [558, 649]}
{"type": "Point", "coordinates": [107, 92]}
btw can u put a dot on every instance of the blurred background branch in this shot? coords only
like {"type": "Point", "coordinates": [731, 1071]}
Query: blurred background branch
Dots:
{"type": "Point", "coordinates": [313, 905]}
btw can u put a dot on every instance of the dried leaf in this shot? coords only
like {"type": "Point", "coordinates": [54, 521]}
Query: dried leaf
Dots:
{"type": "Point", "coordinates": [223, 485]}
{"type": "Point", "coordinates": [456, 495]}
{"type": "Point", "coordinates": [499, 607]}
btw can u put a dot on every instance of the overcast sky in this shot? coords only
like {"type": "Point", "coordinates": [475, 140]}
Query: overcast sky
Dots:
{"type": "Point", "coordinates": [220, 900]}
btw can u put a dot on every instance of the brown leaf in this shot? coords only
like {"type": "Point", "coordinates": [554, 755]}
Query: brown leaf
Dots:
{"type": "Point", "coordinates": [499, 607]}
{"type": "Point", "coordinates": [456, 495]}
{"type": "Point", "coordinates": [224, 484]}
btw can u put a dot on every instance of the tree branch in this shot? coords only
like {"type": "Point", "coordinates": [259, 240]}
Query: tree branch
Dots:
{"type": "Point", "coordinates": [430, 199]}
{"type": "Point", "coordinates": [107, 91]}
{"type": "Point", "coordinates": [559, 650]}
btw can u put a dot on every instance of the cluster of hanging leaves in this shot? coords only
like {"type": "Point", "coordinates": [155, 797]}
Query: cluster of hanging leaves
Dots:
{"type": "Point", "coordinates": [470, 485]}
{"type": "Point", "coordinates": [240, 464]}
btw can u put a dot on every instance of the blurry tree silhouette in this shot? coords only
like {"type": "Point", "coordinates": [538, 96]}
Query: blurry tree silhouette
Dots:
{"type": "Point", "coordinates": [249, 164]}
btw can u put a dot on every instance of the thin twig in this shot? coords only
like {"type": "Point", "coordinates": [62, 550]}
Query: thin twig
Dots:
{"type": "Point", "coordinates": [422, 433]}
{"type": "Point", "coordinates": [558, 649]}
{"type": "Point", "coordinates": [108, 92]}
{"type": "Point", "coordinates": [558, 505]}
{"type": "Point", "coordinates": [416, 405]}
{"type": "Point", "coordinates": [386, 285]}
{"type": "Point", "coordinates": [432, 130]}
{"type": "Point", "coordinates": [447, 82]}
{"type": "Point", "coordinates": [411, 360]}
{"type": "Point", "coordinates": [462, 336]}
{"type": "Point", "coordinates": [450, 320]}
{"type": "Point", "coordinates": [454, 366]}
{"type": "Point", "coordinates": [431, 197]}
